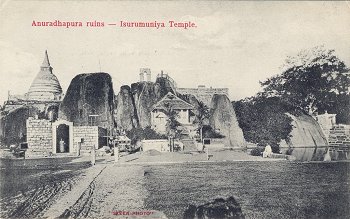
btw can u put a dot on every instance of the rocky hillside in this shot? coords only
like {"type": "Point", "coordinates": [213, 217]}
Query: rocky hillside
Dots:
{"type": "Point", "coordinates": [134, 104]}
{"type": "Point", "coordinates": [223, 118]}
{"type": "Point", "coordinates": [89, 94]}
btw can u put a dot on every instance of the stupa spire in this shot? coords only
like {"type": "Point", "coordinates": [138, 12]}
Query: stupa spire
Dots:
{"type": "Point", "coordinates": [45, 85]}
{"type": "Point", "coordinates": [46, 63]}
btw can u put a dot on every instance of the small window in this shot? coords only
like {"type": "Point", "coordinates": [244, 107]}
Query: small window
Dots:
{"type": "Point", "coordinates": [206, 141]}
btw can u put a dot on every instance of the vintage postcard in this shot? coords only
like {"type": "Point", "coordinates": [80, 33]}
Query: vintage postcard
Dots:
{"type": "Point", "coordinates": [174, 109]}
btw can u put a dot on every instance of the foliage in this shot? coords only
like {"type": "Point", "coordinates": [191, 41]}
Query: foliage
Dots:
{"type": "Point", "coordinates": [202, 115]}
{"type": "Point", "coordinates": [137, 134]}
{"type": "Point", "coordinates": [264, 120]}
{"type": "Point", "coordinates": [172, 123]}
{"type": "Point", "coordinates": [338, 104]}
{"type": "Point", "coordinates": [311, 80]}
{"type": "Point", "coordinates": [257, 151]}
{"type": "Point", "coordinates": [315, 80]}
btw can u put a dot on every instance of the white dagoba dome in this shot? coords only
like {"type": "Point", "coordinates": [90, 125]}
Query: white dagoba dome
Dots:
{"type": "Point", "coordinates": [45, 86]}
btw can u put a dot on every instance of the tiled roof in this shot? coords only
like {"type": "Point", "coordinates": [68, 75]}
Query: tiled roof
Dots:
{"type": "Point", "coordinates": [172, 101]}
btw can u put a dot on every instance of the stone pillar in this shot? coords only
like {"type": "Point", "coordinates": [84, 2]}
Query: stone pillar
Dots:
{"type": "Point", "coordinates": [207, 151]}
{"type": "Point", "coordinates": [116, 154]}
{"type": "Point", "coordinates": [93, 156]}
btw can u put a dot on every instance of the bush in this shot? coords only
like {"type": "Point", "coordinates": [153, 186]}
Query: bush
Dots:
{"type": "Point", "coordinates": [209, 132]}
{"type": "Point", "coordinates": [257, 151]}
{"type": "Point", "coordinates": [138, 134]}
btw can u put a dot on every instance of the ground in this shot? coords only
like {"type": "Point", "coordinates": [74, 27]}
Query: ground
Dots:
{"type": "Point", "coordinates": [54, 187]}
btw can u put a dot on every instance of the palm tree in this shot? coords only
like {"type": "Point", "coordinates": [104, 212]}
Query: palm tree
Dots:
{"type": "Point", "coordinates": [202, 117]}
{"type": "Point", "coordinates": [171, 124]}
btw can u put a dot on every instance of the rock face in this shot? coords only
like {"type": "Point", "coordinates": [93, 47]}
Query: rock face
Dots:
{"type": "Point", "coordinates": [145, 96]}
{"type": "Point", "coordinates": [89, 100]}
{"type": "Point", "coordinates": [219, 208]}
{"type": "Point", "coordinates": [308, 141]}
{"type": "Point", "coordinates": [125, 114]}
{"type": "Point", "coordinates": [134, 105]}
{"type": "Point", "coordinates": [223, 118]}
{"type": "Point", "coordinates": [13, 128]}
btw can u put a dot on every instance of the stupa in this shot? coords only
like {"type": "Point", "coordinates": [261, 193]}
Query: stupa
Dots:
{"type": "Point", "coordinates": [45, 86]}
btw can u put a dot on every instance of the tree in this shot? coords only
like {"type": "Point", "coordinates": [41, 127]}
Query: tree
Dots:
{"type": "Point", "coordinates": [138, 134]}
{"type": "Point", "coordinates": [171, 124]}
{"type": "Point", "coordinates": [201, 118]}
{"type": "Point", "coordinates": [311, 80]}
{"type": "Point", "coordinates": [264, 120]}
{"type": "Point", "coordinates": [209, 132]}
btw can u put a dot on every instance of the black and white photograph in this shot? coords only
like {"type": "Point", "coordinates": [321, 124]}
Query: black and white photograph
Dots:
{"type": "Point", "coordinates": [174, 109]}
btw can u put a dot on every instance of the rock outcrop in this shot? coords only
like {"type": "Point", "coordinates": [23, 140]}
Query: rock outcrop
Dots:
{"type": "Point", "coordinates": [125, 115]}
{"type": "Point", "coordinates": [134, 104]}
{"type": "Point", "coordinates": [307, 141]}
{"type": "Point", "coordinates": [223, 118]}
{"type": "Point", "coordinates": [13, 128]}
{"type": "Point", "coordinates": [89, 100]}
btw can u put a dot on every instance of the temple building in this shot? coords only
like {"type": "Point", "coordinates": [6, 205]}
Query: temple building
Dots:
{"type": "Point", "coordinates": [44, 89]}
{"type": "Point", "coordinates": [182, 108]}
{"type": "Point", "coordinates": [203, 93]}
{"type": "Point", "coordinates": [40, 102]}
{"type": "Point", "coordinates": [45, 86]}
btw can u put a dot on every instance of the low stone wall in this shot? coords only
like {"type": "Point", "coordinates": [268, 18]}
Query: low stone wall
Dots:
{"type": "Point", "coordinates": [159, 145]}
{"type": "Point", "coordinates": [339, 142]}
{"type": "Point", "coordinates": [88, 137]}
{"type": "Point", "coordinates": [39, 138]}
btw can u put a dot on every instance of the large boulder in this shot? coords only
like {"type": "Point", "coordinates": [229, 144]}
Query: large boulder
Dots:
{"type": "Point", "coordinates": [125, 115]}
{"type": "Point", "coordinates": [89, 100]}
{"type": "Point", "coordinates": [145, 95]}
{"type": "Point", "coordinates": [223, 118]}
{"type": "Point", "coordinates": [307, 141]}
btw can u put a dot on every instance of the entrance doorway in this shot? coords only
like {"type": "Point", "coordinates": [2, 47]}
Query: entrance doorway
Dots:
{"type": "Point", "coordinates": [62, 136]}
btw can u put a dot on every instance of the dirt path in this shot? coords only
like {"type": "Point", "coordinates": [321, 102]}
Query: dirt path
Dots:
{"type": "Point", "coordinates": [113, 188]}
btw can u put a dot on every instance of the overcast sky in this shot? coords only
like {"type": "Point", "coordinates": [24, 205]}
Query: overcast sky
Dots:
{"type": "Point", "coordinates": [235, 44]}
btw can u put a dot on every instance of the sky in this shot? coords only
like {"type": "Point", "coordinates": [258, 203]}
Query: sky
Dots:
{"type": "Point", "coordinates": [235, 44]}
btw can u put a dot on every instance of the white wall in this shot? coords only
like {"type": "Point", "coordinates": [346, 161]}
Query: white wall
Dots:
{"type": "Point", "coordinates": [159, 145]}
{"type": "Point", "coordinates": [159, 119]}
